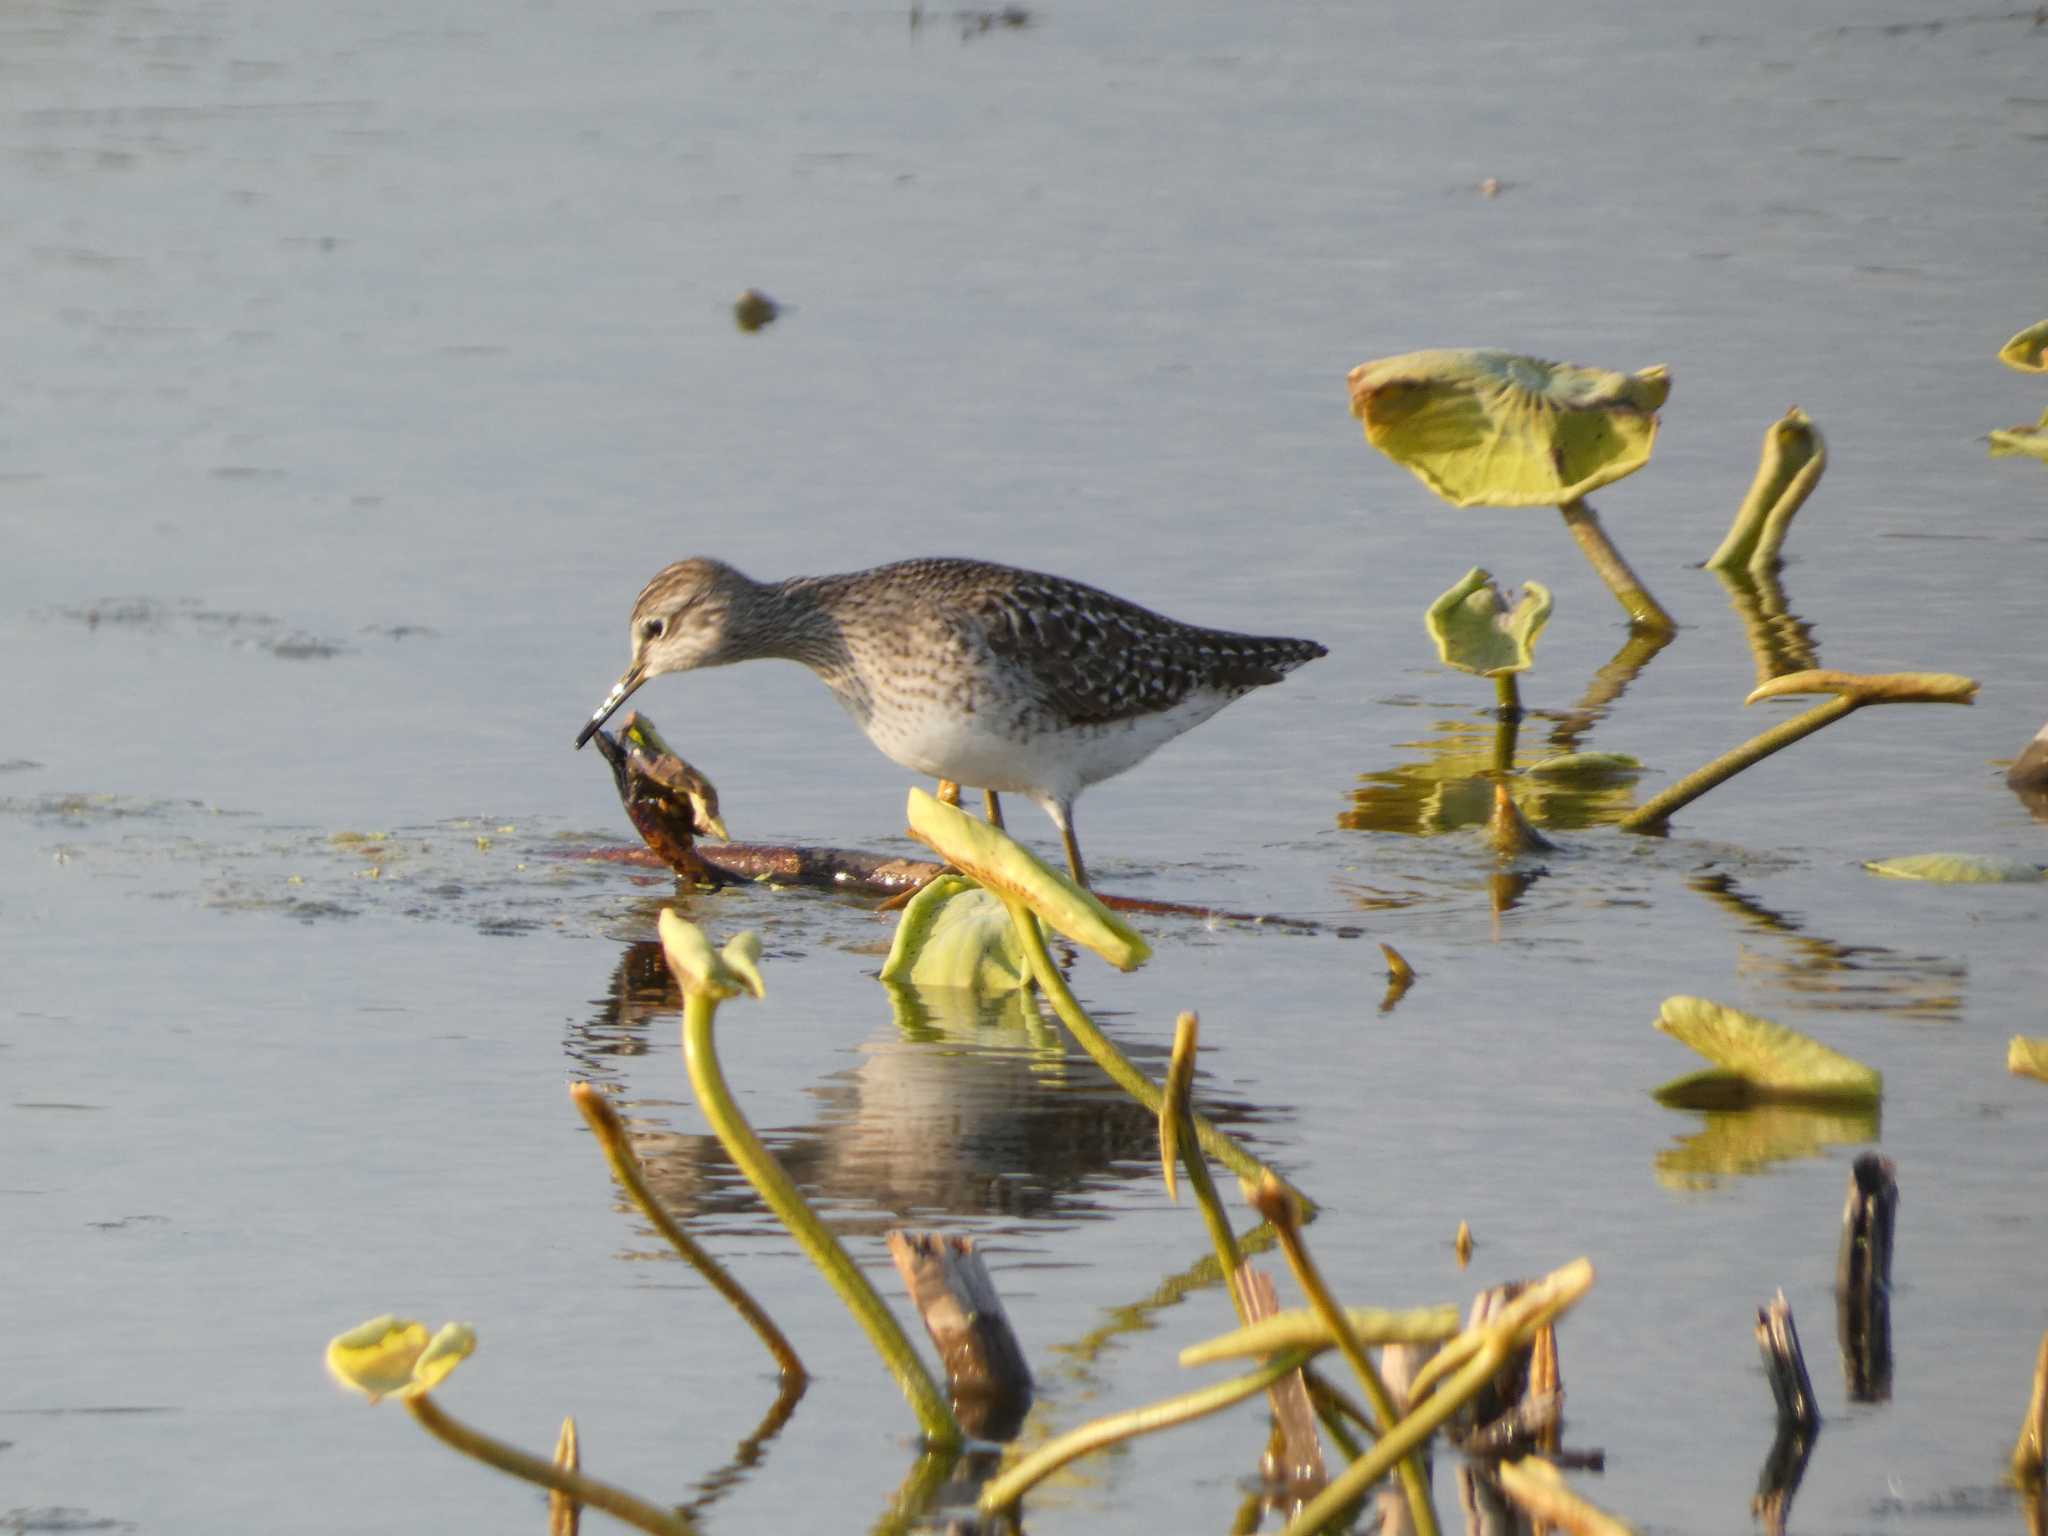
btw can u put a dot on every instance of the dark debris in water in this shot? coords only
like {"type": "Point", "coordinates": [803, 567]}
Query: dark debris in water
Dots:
{"type": "Point", "coordinates": [59, 1517]}
{"type": "Point", "coordinates": [263, 631]}
{"type": "Point", "coordinates": [18, 764]}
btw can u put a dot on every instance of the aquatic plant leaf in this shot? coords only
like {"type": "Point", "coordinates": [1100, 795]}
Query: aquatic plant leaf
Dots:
{"type": "Point", "coordinates": [1302, 1328]}
{"type": "Point", "coordinates": [955, 933]}
{"type": "Point", "coordinates": [1587, 767]}
{"type": "Point", "coordinates": [2027, 1058]}
{"type": "Point", "coordinates": [1488, 428]}
{"type": "Point", "coordinates": [2028, 351]}
{"type": "Point", "coordinates": [1476, 630]}
{"type": "Point", "coordinates": [1794, 457]}
{"type": "Point", "coordinates": [991, 856]}
{"type": "Point", "coordinates": [1750, 1140]}
{"type": "Point", "coordinates": [700, 968]}
{"type": "Point", "coordinates": [1540, 1489]}
{"type": "Point", "coordinates": [1955, 868]}
{"type": "Point", "coordinates": [377, 1358]}
{"type": "Point", "coordinates": [1767, 1060]}
{"type": "Point", "coordinates": [1872, 687]}
{"type": "Point", "coordinates": [2024, 441]}
{"type": "Point", "coordinates": [445, 1351]}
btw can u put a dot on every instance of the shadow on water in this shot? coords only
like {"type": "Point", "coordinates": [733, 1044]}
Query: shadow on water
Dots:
{"type": "Point", "coordinates": [964, 1106]}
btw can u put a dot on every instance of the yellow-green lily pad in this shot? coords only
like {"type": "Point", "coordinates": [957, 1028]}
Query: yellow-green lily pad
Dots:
{"type": "Point", "coordinates": [1476, 630]}
{"type": "Point", "coordinates": [2028, 351]}
{"type": "Point", "coordinates": [394, 1355]}
{"type": "Point", "coordinates": [1496, 429]}
{"type": "Point", "coordinates": [1955, 869]}
{"type": "Point", "coordinates": [956, 933]}
{"type": "Point", "coordinates": [991, 856]}
{"type": "Point", "coordinates": [2028, 1058]}
{"type": "Point", "coordinates": [1757, 1062]}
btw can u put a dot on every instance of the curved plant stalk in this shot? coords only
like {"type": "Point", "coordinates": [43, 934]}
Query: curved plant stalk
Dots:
{"type": "Point", "coordinates": [1006, 1490]}
{"type": "Point", "coordinates": [604, 1121]}
{"type": "Point", "coordinates": [1272, 1202]}
{"type": "Point", "coordinates": [1508, 694]}
{"type": "Point", "coordinates": [509, 1459]}
{"type": "Point", "coordinates": [1177, 1143]}
{"type": "Point", "coordinates": [1644, 611]}
{"type": "Point", "coordinates": [1536, 1485]}
{"type": "Point", "coordinates": [1851, 692]}
{"type": "Point", "coordinates": [1473, 1358]}
{"type": "Point", "coordinates": [813, 1236]}
{"type": "Point", "coordinates": [1794, 458]}
{"type": "Point", "coordinates": [1102, 1050]}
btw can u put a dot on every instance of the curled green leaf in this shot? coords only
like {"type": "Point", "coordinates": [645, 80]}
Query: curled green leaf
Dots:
{"type": "Point", "coordinates": [1477, 630]}
{"type": "Point", "coordinates": [2028, 351]}
{"type": "Point", "coordinates": [994, 858]}
{"type": "Point", "coordinates": [956, 933]}
{"type": "Point", "coordinates": [1872, 687]}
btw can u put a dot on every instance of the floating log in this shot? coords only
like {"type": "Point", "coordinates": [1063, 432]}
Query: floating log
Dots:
{"type": "Point", "coordinates": [986, 1373]}
{"type": "Point", "coordinates": [1777, 1339]}
{"type": "Point", "coordinates": [1863, 1277]}
{"type": "Point", "coordinates": [1296, 1459]}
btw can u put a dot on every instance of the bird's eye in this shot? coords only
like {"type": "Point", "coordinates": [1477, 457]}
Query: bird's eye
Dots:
{"type": "Point", "coordinates": [651, 629]}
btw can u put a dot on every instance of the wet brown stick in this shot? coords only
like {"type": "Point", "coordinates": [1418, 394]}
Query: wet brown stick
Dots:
{"type": "Point", "coordinates": [1777, 1339]}
{"type": "Point", "coordinates": [986, 1373]}
{"type": "Point", "coordinates": [1863, 1276]}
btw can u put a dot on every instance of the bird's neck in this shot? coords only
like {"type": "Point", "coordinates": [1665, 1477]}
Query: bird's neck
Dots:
{"type": "Point", "coordinates": [793, 621]}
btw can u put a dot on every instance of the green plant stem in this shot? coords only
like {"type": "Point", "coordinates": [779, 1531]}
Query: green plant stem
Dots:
{"type": "Point", "coordinates": [1508, 693]}
{"type": "Point", "coordinates": [1608, 563]}
{"type": "Point", "coordinates": [941, 1430]}
{"type": "Point", "coordinates": [1403, 1438]}
{"type": "Point", "coordinates": [1001, 1492]}
{"type": "Point", "coordinates": [1181, 1145]}
{"type": "Point", "coordinates": [618, 1152]}
{"type": "Point", "coordinates": [1102, 1050]}
{"type": "Point", "coordinates": [533, 1469]}
{"type": "Point", "coordinates": [1310, 1279]}
{"type": "Point", "coordinates": [1653, 813]}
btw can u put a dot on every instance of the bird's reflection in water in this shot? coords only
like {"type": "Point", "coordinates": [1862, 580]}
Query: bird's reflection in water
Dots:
{"type": "Point", "coordinates": [961, 1106]}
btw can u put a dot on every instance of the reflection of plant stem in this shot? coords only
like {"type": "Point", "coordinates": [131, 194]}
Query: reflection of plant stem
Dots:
{"type": "Point", "coordinates": [510, 1459]}
{"type": "Point", "coordinates": [913, 1498]}
{"type": "Point", "coordinates": [1509, 693]}
{"type": "Point", "coordinates": [1607, 561]}
{"type": "Point", "coordinates": [1607, 685]}
{"type": "Point", "coordinates": [1274, 1205]}
{"type": "Point", "coordinates": [823, 1249]}
{"type": "Point", "coordinates": [1653, 813]}
{"type": "Point", "coordinates": [1403, 1438]}
{"type": "Point", "coordinates": [1004, 1491]}
{"type": "Point", "coordinates": [1778, 638]}
{"type": "Point", "coordinates": [611, 1135]}
{"type": "Point", "coordinates": [748, 1452]}
{"type": "Point", "coordinates": [1102, 1050]}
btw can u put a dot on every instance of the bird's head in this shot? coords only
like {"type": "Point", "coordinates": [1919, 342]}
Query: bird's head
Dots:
{"type": "Point", "coordinates": [682, 620]}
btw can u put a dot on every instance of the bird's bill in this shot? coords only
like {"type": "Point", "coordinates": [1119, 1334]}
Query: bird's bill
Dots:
{"type": "Point", "coordinates": [621, 691]}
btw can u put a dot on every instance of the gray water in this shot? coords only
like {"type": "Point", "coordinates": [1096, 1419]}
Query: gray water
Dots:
{"type": "Point", "coordinates": [363, 360]}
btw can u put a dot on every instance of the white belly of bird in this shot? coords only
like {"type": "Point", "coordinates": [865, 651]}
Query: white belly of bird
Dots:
{"type": "Point", "coordinates": [978, 750]}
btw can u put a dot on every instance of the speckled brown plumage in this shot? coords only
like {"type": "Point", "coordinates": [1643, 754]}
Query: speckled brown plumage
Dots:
{"type": "Point", "coordinates": [965, 670]}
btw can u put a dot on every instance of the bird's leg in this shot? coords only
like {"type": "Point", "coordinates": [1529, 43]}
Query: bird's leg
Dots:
{"type": "Point", "coordinates": [949, 792]}
{"type": "Point", "coordinates": [1062, 812]}
{"type": "Point", "coordinates": [995, 809]}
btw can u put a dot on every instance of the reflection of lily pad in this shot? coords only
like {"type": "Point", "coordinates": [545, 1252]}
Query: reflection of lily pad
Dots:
{"type": "Point", "coordinates": [1736, 1142]}
{"type": "Point", "coordinates": [2027, 351]}
{"type": "Point", "coordinates": [1486, 428]}
{"type": "Point", "coordinates": [1757, 1062]}
{"type": "Point", "coordinates": [2029, 442]}
{"type": "Point", "coordinates": [1476, 631]}
{"type": "Point", "coordinates": [955, 933]}
{"type": "Point", "coordinates": [1587, 768]}
{"type": "Point", "coordinates": [1452, 788]}
{"type": "Point", "coordinates": [1955, 869]}
{"type": "Point", "coordinates": [2027, 1057]}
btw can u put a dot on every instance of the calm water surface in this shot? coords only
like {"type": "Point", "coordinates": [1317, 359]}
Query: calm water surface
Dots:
{"type": "Point", "coordinates": [364, 359]}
